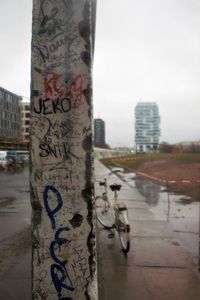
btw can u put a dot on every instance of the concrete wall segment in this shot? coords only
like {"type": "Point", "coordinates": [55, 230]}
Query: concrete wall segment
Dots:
{"type": "Point", "coordinates": [63, 263]}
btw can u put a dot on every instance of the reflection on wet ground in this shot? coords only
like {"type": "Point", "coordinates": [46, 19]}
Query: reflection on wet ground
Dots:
{"type": "Point", "coordinates": [182, 214]}
{"type": "Point", "coordinates": [15, 208]}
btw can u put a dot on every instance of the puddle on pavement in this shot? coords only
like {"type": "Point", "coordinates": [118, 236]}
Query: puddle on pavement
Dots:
{"type": "Point", "coordinates": [14, 194]}
{"type": "Point", "coordinates": [182, 214]}
{"type": "Point", "coordinates": [5, 201]}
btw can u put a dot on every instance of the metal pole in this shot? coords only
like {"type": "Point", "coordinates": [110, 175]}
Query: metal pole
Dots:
{"type": "Point", "coordinates": [61, 175]}
{"type": "Point", "coordinates": [168, 202]}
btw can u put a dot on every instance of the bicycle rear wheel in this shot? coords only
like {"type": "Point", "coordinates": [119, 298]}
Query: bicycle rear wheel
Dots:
{"type": "Point", "coordinates": [124, 236]}
{"type": "Point", "coordinates": [123, 227]}
{"type": "Point", "coordinates": [104, 213]}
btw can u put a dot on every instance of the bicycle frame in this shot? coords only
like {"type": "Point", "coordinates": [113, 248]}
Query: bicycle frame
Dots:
{"type": "Point", "coordinates": [117, 212]}
{"type": "Point", "coordinates": [107, 199]}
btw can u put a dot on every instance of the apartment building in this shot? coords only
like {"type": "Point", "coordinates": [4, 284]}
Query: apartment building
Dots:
{"type": "Point", "coordinates": [147, 130]}
{"type": "Point", "coordinates": [25, 119]}
{"type": "Point", "coordinates": [10, 116]}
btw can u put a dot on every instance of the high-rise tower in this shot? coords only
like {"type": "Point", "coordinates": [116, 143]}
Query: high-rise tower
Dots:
{"type": "Point", "coordinates": [147, 130]}
{"type": "Point", "coordinates": [99, 133]}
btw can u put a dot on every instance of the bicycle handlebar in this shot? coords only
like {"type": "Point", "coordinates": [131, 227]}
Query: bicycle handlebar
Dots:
{"type": "Point", "coordinates": [103, 183]}
{"type": "Point", "coordinates": [115, 171]}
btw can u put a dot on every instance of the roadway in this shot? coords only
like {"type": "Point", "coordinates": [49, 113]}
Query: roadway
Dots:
{"type": "Point", "coordinates": [15, 237]}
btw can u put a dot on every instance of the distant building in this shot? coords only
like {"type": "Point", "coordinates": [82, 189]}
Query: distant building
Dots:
{"type": "Point", "coordinates": [25, 119]}
{"type": "Point", "coordinates": [99, 133]}
{"type": "Point", "coordinates": [147, 130]}
{"type": "Point", "coordinates": [10, 117]}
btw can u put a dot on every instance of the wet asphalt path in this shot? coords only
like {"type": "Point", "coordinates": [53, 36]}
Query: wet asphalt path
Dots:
{"type": "Point", "coordinates": [156, 268]}
{"type": "Point", "coordinates": [15, 236]}
{"type": "Point", "coordinates": [15, 210]}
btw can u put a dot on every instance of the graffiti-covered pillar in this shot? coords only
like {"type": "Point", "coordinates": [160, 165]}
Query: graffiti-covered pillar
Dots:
{"type": "Point", "coordinates": [61, 175]}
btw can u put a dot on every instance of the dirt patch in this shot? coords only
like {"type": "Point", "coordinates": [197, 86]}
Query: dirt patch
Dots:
{"type": "Point", "coordinates": [11, 249]}
{"type": "Point", "coordinates": [175, 171]}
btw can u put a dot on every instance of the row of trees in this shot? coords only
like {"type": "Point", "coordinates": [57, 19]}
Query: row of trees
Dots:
{"type": "Point", "coordinates": [180, 148]}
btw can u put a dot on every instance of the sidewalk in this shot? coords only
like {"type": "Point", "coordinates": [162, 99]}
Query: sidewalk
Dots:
{"type": "Point", "coordinates": [157, 266]}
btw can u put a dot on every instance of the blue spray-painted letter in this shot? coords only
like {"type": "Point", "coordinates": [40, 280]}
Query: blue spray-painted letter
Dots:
{"type": "Point", "coordinates": [51, 211]}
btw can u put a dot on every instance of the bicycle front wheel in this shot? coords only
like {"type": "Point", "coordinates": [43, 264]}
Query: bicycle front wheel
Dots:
{"type": "Point", "coordinates": [104, 213]}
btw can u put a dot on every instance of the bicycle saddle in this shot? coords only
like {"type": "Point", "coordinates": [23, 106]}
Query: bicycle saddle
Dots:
{"type": "Point", "coordinates": [115, 187]}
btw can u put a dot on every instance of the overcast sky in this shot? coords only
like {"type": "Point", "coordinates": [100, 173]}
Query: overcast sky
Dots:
{"type": "Point", "coordinates": [15, 45]}
{"type": "Point", "coordinates": [146, 50]}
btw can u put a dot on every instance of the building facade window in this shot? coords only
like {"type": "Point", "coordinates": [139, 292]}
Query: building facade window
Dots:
{"type": "Point", "coordinates": [25, 119]}
{"type": "Point", "coordinates": [9, 102]}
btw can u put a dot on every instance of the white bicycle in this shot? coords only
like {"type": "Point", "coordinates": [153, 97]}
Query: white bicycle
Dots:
{"type": "Point", "coordinates": [112, 214]}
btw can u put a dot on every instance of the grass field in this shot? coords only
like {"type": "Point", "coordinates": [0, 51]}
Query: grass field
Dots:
{"type": "Point", "coordinates": [134, 161]}
{"type": "Point", "coordinates": [164, 167]}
